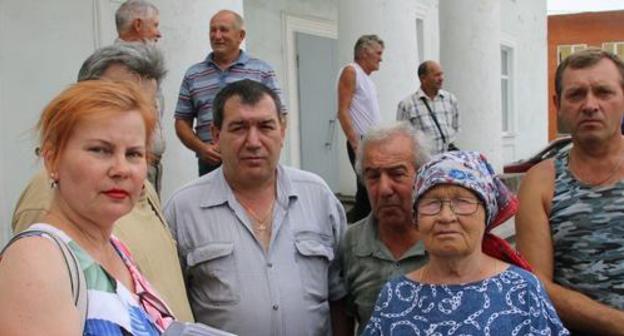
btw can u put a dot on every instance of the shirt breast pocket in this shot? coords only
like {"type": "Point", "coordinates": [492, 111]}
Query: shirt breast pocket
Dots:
{"type": "Point", "coordinates": [314, 256]}
{"type": "Point", "coordinates": [213, 273]}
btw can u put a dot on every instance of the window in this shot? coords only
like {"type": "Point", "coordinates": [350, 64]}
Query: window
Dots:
{"type": "Point", "coordinates": [565, 50]}
{"type": "Point", "coordinates": [507, 89]}
{"type": "Point", "coordinates": [420, 39]}
{"type": "Point", "coordinates": [614, 47]}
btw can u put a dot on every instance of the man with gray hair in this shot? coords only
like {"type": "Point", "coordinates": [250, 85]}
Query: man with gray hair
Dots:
{"type": "Point", "coordinates": [385, 244]}
{"type": "Point", "coordinates": [358, 109]}
{"type": "Point", "coordinates": [138, 20]}
{"type": "Point", "coordinates": [145, 65]}
{"type": "Point", "coordinates": [144, 229]}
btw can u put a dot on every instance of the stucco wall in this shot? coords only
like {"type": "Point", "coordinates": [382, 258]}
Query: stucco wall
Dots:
{"type": "Point", "coordinates": [39, 57]}
{"type": "Point", "coordinates": [523, 24]}
{"type": "Point", "coordinates": [265, 25]}
{"type": "Point", "coordinates": [395, 22]}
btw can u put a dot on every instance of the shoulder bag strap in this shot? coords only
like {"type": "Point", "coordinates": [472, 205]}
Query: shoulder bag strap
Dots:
{"type": "Point", "coordinates": [435, 120]}
{"type": "Point", "coordinates": [76, 276]}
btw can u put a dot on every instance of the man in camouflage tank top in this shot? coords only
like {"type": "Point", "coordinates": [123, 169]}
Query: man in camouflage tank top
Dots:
{"type": "Point", "coordinates": [571, 220]}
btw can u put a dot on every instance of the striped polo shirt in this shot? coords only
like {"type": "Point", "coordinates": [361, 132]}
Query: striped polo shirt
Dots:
{"type": "Point", "coordinates": [204, 80]}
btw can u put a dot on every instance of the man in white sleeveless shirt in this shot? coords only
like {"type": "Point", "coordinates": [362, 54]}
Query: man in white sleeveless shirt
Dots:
{"type": "Point", "coordinates": [358, 109]}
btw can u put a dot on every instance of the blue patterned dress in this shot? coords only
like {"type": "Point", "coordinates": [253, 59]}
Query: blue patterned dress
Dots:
{"type": "Point", "coordinates": [510, 303]}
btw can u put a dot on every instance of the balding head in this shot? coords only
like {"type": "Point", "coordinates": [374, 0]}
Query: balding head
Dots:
{"type": "Point", "coordinates": [227, 32]}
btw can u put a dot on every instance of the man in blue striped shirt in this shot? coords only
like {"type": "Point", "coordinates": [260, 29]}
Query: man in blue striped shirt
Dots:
{"type": "Point", "coordinates": [226, 63]}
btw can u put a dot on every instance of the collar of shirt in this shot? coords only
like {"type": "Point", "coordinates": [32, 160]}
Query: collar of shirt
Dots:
{"type": "Point", "coordinates": [220, 192]}
{"type": "Point", "coordinates": [242, 59]}
{"type": "Point", "coordinates": [369, 244]}
{"type": "Point", "coordinates": [421, 93]}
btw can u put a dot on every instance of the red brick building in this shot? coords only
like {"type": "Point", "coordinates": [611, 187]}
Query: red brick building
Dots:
{"type": "Point", "coordinates": [572, 32]}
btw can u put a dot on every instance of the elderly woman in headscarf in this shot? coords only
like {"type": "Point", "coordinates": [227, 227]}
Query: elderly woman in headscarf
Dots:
{"type": "Point", "coordinates": [474, 283]}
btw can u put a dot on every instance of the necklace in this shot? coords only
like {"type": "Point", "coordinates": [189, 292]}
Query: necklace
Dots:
{"type": "Point", "coordinates": [260, 221]}
{"type": "Point", "coordinates": [586, 181]}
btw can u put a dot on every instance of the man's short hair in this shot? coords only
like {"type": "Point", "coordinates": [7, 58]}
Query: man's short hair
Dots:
{"type": "Point", "coordinates": [143, 59]}
{"type": "Point", "coordinates": [239, 23]}
{"type": "Point", "coordinates": [365, 42]}
{"type": "Point", "coordinates": [420, 147]}
{"type": "Point", "coordinates": [423, 69]}
{"type": "Point", "coordinates": [585, 59]}
{"type": "Point", "coordinates": [131, 10]}
{"type": "Point", "coordinates": [250, 93]}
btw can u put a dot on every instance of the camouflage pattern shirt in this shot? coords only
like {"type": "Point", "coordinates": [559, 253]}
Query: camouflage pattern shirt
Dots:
{"type": "Point", "coordinates": [587, 225]}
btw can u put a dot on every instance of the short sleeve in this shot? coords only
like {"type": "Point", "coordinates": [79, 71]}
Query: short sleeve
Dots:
{"type": "Point", "coordinates": [401, 112]}
{"type": "Point", "coordinates": [338, 221]}
{"type": "Point", "coordinates": [184, 108]}
{"type": "Point", "coordinates": [455, 105]}
{"type": "Point", "coordinates": [270, 79]}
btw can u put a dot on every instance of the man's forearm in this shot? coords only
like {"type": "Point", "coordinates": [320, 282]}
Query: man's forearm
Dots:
{"type": "Point", "coordinates": [187, 136]}
{"type": "Point", "coordinates": [581, 313]}
{"type": "Point", "coordinates": [347, 127]}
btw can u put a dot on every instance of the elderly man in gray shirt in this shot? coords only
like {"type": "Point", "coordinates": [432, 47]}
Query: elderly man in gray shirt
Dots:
{"type": "Point", "coordinates": [385, 244]}
{"type": "Point", "coordinates": [257, 241]}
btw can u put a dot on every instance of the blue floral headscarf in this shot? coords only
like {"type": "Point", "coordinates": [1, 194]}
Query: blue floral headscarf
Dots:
{"type": "Point", "coordinates": [471, 171]}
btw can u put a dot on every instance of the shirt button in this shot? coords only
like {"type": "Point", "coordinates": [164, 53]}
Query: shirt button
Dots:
{"type": "Point", "coordinates": [275, 307]}
{"type": "Point", "coordinates": [269, 265]}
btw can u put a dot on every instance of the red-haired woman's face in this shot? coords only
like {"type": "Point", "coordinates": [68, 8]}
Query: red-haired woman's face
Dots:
{"type": "Point", "coordinates": [102, 168]}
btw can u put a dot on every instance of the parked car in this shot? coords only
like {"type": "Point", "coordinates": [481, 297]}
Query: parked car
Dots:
{"type": "Point", "coordinates": [555, 147]}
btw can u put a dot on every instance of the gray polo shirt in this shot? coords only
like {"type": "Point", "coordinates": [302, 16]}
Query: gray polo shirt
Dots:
{"type": "Point", "coordinates": [232, 284]}
{"type": "Point", "coordinates": [368, 265]}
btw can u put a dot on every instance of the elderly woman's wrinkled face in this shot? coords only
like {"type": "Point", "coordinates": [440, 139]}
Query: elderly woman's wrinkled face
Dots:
{"type": "Point", "coordinates": [451, 221]}
{"type": "Point", "coordinates": [101, 170]}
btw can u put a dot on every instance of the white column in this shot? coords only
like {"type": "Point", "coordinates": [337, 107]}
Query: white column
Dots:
{"type": "Point", "coordinates": [470, 57]}
{"type": "Point", "coordinates": [394, 21]}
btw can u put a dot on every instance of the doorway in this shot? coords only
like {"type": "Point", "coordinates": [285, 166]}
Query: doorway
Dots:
{"type": "Point", "coordinates": [316, 85]}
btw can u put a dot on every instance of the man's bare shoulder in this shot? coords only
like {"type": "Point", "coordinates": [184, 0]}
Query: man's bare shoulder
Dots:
{"type": "Point", "coordinates": [347, 73]}
{"type": "Point", "coordinates": [541, 171]}
{"type": "Point", "coordinates": [538, 181]}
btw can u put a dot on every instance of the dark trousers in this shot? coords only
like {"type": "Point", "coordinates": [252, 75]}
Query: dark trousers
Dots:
{"type": "Point", "coordinates": [205, 167]}
{"type": "Point", "coordinates": [362, 207]}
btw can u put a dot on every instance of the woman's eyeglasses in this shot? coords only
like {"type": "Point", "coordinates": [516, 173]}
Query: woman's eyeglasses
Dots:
{"type": "Point", "coordinates": [459, 206]}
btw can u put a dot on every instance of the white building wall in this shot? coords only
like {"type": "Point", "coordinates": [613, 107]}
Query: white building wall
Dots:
{"type": "Point", "coordinates": [470, 57]}
{"type": "Point", "coordinates": [266, 39]}
{"type": "Point", "coordinates": [43, 45]}
{"type": "Point", "coordinates": [524, 26]}
{"type": "Point", "coordinates": [41, 53]}
{"type": "Point", "coordinates": [394, 21]}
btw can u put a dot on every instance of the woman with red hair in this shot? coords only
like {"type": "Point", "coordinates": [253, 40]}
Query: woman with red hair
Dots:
{"type": "Point", "coordinates": [95, 138]}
